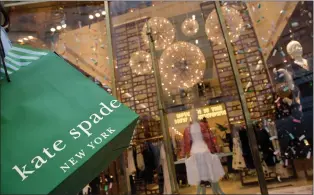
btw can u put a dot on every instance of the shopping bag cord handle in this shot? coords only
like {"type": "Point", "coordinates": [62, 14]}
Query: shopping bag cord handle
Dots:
{"type": "Point", "coordinates": [2, 54]}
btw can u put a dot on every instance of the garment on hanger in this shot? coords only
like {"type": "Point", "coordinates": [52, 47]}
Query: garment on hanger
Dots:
{"type": "Point", "coordinates": [164, 165]}
{"type": "Point", "coordinates": [95, 185]}
{"type": "Point", "coordinates": [86, 190]}
{"type": "Point", "coordinates": [247, 155]}
{"type": "Point", "coordinates": [238, 162]}
{"type": "Point", "coordinates": [292, 134]}
{"type": "Point", "coordinates": [140, 161]}
{"type": "Point", "coordinates": [131, 163]}
{"type": "Point", "coordinates": [230, 148]}
{"type": "Point", "coordinates": [149, 161]}
{"type": "Point", "coordinates": [279, 168]}
{"type": "Point", "coordinates": [266, 147]}
{"type": "Point", "coordinates": [202, 165]}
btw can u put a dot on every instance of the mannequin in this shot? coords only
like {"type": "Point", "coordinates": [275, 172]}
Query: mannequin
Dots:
{"type": "Point", "coordinates": [290, 121]}
{"type": "Point", "coordinates": [295, 50]}
{"type": "Point", "coordinates": [202, 166]}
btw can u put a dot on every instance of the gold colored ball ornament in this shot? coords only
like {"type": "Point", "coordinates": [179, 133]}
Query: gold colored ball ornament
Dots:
{"type": "Point", "coordinates": [189, 27]}
{"type": "Point", "coordinates": [141, 62]}
{"type": "Point", "coordinates": [163, 32]}
{"type": "Point", "coordinates": [182, 65]}
{"type": "Point", "coordinates": [234, 22]}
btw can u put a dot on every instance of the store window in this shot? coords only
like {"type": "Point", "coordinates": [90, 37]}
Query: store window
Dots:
{"type": "Point", "coordinates": [208, 60]}
{"type": "Point", "coordinates": [230, 64]}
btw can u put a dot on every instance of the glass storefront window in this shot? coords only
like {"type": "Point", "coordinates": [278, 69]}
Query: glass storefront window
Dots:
{"type": "Point", "coordinates": [195, 65]}
{"type": "Point", "coordinates": [245, 67]}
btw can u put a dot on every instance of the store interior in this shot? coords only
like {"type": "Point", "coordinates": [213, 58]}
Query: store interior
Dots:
{"type": "Point", "coordinates": [196, 73]}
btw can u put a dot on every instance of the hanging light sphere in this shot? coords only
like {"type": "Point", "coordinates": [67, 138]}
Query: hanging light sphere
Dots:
{"type": "Point", "coordinates": [162, 31]}
{"type": "Point", "coordinates": [182, 65]}
{"type": "Point", "coordinates": [141, 62]}
{"type": "Point", "coordinates": [234, 22]}
{"type": "Point", "coordinates": [189, 27]}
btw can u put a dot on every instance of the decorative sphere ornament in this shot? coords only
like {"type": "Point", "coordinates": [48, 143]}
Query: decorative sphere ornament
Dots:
{"type": "Point", "coordinates": [234, 22]}
{"type": "Point", "coordinates": [182, 65]}
{"type": "Point", "coordinates": [189, 27]}
{"type": "Point", "coordinates": [163, 32]}
{"type": "Point", "coordinates": [141, 62]}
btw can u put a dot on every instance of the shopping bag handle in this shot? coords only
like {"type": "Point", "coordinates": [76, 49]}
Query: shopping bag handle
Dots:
{"type": "Point", "coordinates": [5, 25]}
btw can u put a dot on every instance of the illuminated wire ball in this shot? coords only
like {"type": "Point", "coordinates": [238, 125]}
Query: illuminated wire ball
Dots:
{"type": "Point", "coordinates": [162, 30]}
{"type": "Point", "coordinates": [234, 22]}
{"type": "Point", "coordinates": [189, 27]}
{"type": "Point", "coordinates": [141, 62]}
{"type": "Point", "coordinates": [182, 65]}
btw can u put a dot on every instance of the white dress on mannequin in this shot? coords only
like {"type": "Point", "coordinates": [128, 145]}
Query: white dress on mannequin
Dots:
{"type": "Point", "coordinates": [202, 164]}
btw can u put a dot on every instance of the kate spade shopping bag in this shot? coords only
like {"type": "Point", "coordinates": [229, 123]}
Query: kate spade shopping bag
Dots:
{"type": "Point", "coordinates": [58, 129]}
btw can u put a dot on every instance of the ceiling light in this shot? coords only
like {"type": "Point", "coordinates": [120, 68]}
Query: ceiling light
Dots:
{"type": "Point", "coordinates": [64, 25]}
{"type": "Point", "coordinates": [91, 17]}
{"type": "Point", "coordinates": [20, 40]}
{"type": "Point", "coordinates": [97, 15]}
{"type": "Point", "coordinates": [52, 29]}
{"type": "Point", "coordinates": [25, 39]}
{"type": "Point", "coordinates": [30, 37]}
{"type": "Point", "coordinates": [58, 27]}
{"type": "Point", "coordinates": [103, 13]}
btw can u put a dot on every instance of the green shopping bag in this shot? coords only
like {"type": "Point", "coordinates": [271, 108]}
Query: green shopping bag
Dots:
{"type": "Point", "coordinates": [58, 129]}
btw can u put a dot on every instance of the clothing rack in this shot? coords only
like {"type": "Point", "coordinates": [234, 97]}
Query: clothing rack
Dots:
{"type": "Point", "coordinates": [149, 139]}
{"type": "Point", "coordinates": [268, 179]}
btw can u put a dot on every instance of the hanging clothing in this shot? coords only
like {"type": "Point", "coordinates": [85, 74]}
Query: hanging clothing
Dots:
{"type": "Point", "coordinates": [292, 134]}
{"type": "Point", "coordinates": [266, 147]}
{"type": "Point", "coordinates": [163, 163]}
{"type": "Point", "coordinates": [131, 164]}
{"type": "Point", "coordinates": [95, 185]}
{"type": "Point", "coordinates": [149, 162]}
{"type": "Point", "coordinates": [279, 168]}
{"type": "Point", "coordinates": [156, 152]}
{"type": "Point", "coordinates": [238, 162]}
{"type": "Point", "coordinates": [187, 144]}
{"type": "Point", "coordinates": [303, 79]}
{"type": "Point", "coordinates": [86, 190]}
{"type": "Point", "coordinates": [229, 149]}
{"type": "Point", "coordinates": [247, 155]}
{"type": "Point", "coordinates": [140, 162]}
{"type": "Point", "coordinates": [202, 165]}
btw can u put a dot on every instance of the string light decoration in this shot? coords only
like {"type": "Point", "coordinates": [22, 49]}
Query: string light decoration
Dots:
{"type": "Point", "coordinates": [141, 62]}
{"type": "Point", "coordinates": [189, 27]}
{"type": "Point", "coordinates": [162, 31]}
{"type": "Point", "coordinates": [234, 22]}
{"type": "Point", "coordinates": [181, 66]}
